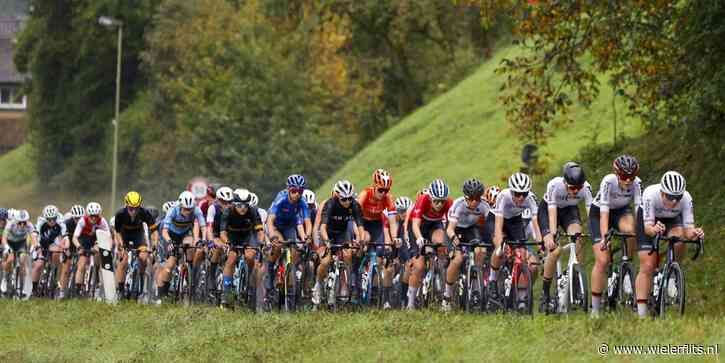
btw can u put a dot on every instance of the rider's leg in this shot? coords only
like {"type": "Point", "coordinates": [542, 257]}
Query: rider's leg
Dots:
{"type": "Point", "coordinates": [164, 275]}
{"type": "Point", "coordinates": [647, 265]}
{"type": "Point", "coordinates": [549, 271]}
{"type": "Point", "coordinates": [599, 274]}
{"type": "Point", "coordinates": [228, 273]}
{"type": "Point", "coordinates": [454, 270]}
{"type": "Point", "coordinates": [121, 270]}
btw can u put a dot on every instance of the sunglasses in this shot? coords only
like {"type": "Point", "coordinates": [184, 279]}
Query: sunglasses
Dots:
{"type": "Point", "coordinates": [132, 209]}
{"type": "Point", "coordinates": [472, 199]}
{"type": "Point", "coordinates": [383, 190]}
{"type": "Point", "coordinates": [295, 190]}
{"type": "Point", "coordinates": [186, 209]}
{"type": "Point", "coordinates": [626, 178]}
{"type": "Point", "coordinates": [673, 198]}
{"type": "Point", "coordinates": [438, 201]}
{"type": "Point", "coordinates": [348, 199]}
{"type": "Point", "coordinates": [574, 188]}
{"type": "Point", "coordinates": [241, 205]}
{"type": "Point", "coordinates": [520, 194]}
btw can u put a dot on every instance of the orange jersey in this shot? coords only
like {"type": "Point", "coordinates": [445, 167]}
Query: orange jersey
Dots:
{"type": "Point", "coordinates": [374, 209]}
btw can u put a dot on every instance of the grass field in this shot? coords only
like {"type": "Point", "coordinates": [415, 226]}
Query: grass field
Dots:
{"type": "Point", "coordinates": [88, 331]}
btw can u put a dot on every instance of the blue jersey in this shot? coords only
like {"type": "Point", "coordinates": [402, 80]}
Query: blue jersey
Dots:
{"type": "Point", "coordinates": [288, 214]}
{"type": "Point", "coordinates": [180, 224]}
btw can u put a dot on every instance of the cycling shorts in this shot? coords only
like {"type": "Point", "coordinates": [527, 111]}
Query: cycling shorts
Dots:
{"type": "Point", "coordinates": [615, 215]}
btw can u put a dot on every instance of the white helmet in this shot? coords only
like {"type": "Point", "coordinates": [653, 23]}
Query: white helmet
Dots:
{"type": "Point", "coordinates": [12, 214]}
{"type": "Point", "coordinates": [166, 207]}
{"type": "Point", "coordinates": [50, 212]}
{"type": "Point", "coordinates": [343, 188]}
{"type": "Point", "coordinates": [93, 209]}
{"type": "Point", "coordinates": [255, 200]}
{"type": "Point", "coordinates": [673, 183]}
{"type": "Point", "coordinates": [186, 199]}
{"type": "Point", "coordinates": [225, 193]}
{"type": "Point", "coordinates": [520, 183]}
{"type": "Point", "coordinates": [77, 211]}
{"type": "Point", "coordinates": [309, 196]}
{"type": "Point", "coordinates": [242, 196]}
{"type": "Point", "coordinates": [22, 215]}
{"type": "Point", "coordinates": [403, 203]}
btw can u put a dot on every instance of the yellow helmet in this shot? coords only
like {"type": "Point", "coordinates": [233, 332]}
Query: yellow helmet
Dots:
{"type": "Point", "coordinates": [133, 199]}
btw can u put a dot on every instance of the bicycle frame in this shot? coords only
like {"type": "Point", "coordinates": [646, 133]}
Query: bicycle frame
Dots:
{"type": "Point", "coordinates": [564, 279]}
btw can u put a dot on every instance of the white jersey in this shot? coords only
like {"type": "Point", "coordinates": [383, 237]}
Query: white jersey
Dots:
{"type": "Point", "coordinates": [506, 207]}
{"type": "Point", "coordinates": [558, 196]}
{"type": "Point", "coordinates": [612, 196]}
{"type": "Point", "coordinates": [466, 217]}
{"type": "Point", "coordinates": [16, 233]}
{"type": "Point", "coordinates": [211, 214]}
{"type": "Point", "coordinates": [653, 207]}
{"type": "Point", "coordinates": [263, 215]}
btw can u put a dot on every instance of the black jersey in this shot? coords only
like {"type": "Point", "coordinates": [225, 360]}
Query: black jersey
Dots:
{"type": "Point", "coordinates": [132, 227]}
{"type": "Point", "coordinates": [337, 217]}
{"type": "Point", "coordinates": [233, 222]}
{"type": "Point", "coordinates": [48, 234]}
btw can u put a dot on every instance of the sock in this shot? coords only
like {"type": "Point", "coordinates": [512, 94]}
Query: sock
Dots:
{"type": "Point", "coordinates": [120, 286]}
{"type": "Point", "coordinates": [227, 281]}
{"type": "Point", "coordinates": [547, 285]}
{"type": "Point", "coordinates": [449, 290]}
{"type": "Point", "coordinates": [163, 289]}
{"type": "Point", "coordinates": [492, 275]}
{"type": "Point", "coordinates": [596, 301]}
{"type": "Point", "coordinates": [412, 291]}
{"type": "Point", "coordinates": [642, 308]}
{"type": "Point", "coordinates": [386, 294]}
{"type": "Point", "coordinates": [35, 285]}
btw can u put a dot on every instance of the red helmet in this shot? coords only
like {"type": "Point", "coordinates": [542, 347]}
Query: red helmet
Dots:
{"type": "Point", "coordinates": [382, 179]}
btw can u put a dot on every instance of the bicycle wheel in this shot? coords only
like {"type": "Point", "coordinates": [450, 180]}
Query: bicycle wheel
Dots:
{"type": "Point", "coordinates": [613, 287]}
{"type": "Point", "coordinates": [505, 290]}
{"type": "Point", "coordinates": [18, 283]}
{"type": "Point", "coordinates": [290, 295]}
{"type": "Point", "coordinates": [53, 282]}
{"type": "Point", "coordinates": [475, 294]}
{"type": "Point", "coordinates": [465, 289]}
{"type": "Point", "coordinates": [92, 282]}
{"type": "Point", "coordinates": [342, 280]}
{"type": "Point", "coordinates": [579, 289]}
{"type": "Point", "coordinates": [672, 301]}
{"type": "Point", "coordinates": [524, 297]}
{"type": "Point", "coordinates": [377, 289]}
{"type": "Point", "coordinates": [483, 283]}
{"type": "Point", "coordinates": [627, 297]}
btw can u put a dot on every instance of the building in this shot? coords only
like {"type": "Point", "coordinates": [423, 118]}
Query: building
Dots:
{"type": "Point", "coordinates": [13, 104]}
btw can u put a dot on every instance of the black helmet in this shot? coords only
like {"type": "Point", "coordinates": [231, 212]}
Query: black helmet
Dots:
{"type": "Point", "coordinates": [626, 166]}
{"type": "Point", "coordinates": [574, 174]}
{"type": "Point", "coordinates": [472, 188]}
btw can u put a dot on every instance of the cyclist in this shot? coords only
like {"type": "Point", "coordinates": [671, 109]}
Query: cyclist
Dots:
{"type": "Point", "coordinates": [183, 220]}
{"type": "Point", "coordinates": [15, 237]}
{"type": "Point", "coordinates": [611, 207]}
{"type": "Point", "coordinates": [666, 210]}
{"type": "Point", "coordinates": [337, 214]}
{"type": "Point", "coordinates": [131, 224]}
{"type": "Point", "coordinates": [76, 213]}
{"type": "Point", "coordinates": [237, 226]}
{"type": "Point", "coordinates": [509, 224]}
{"type": "Point", "coordinates": [3, 219]}
{"type": "Point", "coordinates": [262, 214]}
{"type": "Point", "coordinates": [51, 235]}
{"type": "Point", "coordinates": [403, 205]}
{"type": "Point", "coordinates": [427, 224]}
{"type": "Point", "coordinates": [311, 200]}
{"type": "Point", "coordinates": [84, 238]}
{"type": "Point", "coordinates": [463, 226]}
{"type": "Point", "coordinates": [224, 199]}
{"type": "Point", "coordinates": [560, 208]}
{"type": "Point", "coordinates": [288, 219]}
{"type": "Point", "coordinates": [208, 199]}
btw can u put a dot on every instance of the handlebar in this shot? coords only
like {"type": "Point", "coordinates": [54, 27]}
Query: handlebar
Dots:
{"type": "Point", "coordinates": [675, 239]}
{"type": "Point", "coordinates": [612, 233]}
{"type": "Point", "coordinates": [475, 243]}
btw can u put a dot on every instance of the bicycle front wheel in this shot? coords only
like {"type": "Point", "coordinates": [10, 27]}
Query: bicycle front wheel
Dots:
{"type": "Point", "coordinates": [627, 297]}
{"type": "Point", "coordinates": [579, 289]}
{"type": "Point", "coordinates": [672, 301]}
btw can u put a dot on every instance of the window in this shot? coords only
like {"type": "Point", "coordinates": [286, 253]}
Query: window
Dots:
{"type": "Point", "coordinates": [10, 98]}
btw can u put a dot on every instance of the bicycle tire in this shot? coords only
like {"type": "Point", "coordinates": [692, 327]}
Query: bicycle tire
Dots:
{"type": "Point", "coordinates": [53, 283]}
{"type": "Point", "coordinates": [673, 304]}
{"type": "Point", "coordinates": [18, 283]}
{"type": "Point", "coordinates": [290, 295]}
{"type": "Point", "coordinates": [503, 302]}
{"type": "Point", "coordinates": [613, 288]}
{"type": "Point", "coordinates": [465, 287]}
{"type": "Point", "coordinates": [627, 296]}
{"type": "Point", "coordinates": [92, 282]}
{"type": "Point", "coordinates": [529, 294]}
{"type": "Point", "coordinates": [377, 284]}
{"type": "Point", "coordinates": [476, 289]}
{"type": "Point", "coordinates": [579, 289]}
{"type": "Point", "coordinates": [483, 281]}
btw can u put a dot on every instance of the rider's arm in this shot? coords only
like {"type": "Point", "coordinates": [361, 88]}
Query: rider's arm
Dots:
{"type": "Point", "coordinates": [77, 233]}
{"type": "Point", "coordinates": [272, 230]}
{"type": "Point", "coordinates": [688, 219]}
{"type": "Point", "coordinates": [537, 230]}
{"type": "Point", "coordinates": [416, 229]}
{"type": "Point", "coordinates": [451, 230]}
{"type": "Point", "coordinates": [5, 236]}
{"type": "Point", "coordinates": [210, 215]}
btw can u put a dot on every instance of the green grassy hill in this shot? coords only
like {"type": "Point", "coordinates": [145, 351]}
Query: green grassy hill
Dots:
{"type": "Point", "coordinates": [463, 133]}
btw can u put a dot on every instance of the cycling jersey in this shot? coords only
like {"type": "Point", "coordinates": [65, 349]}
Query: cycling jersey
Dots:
{"type": "Point", "coordinates": [288, 214]}
{"type": "Point", "coordinates": [653, 207]}
{"type": "Point", "coordinates": [262, 214]}
{"type": "Point", "coordinates": [214, 218]}
{"type": "Point", "coordinates": [49, 234]}
{"type": "Point", "coordinates": [558, 196]}
{"type": "Point", "coordinates": [205, 204]}
{"type": "Point", "coordinates": [312, 211]}
{"type": "Point", "coordinates": [70, 228]}
{"type": "Point", "coordinates": [612, 196]}
{"type": "Point", "coordinates": [240, 225]}
{"type": "Point", "coordinates": [16, 233]}
{"type": "Point", "coordinates": [132, 227]}
{"type": "Point", "coordinates": [505, 206]}
{"type": "Point", "coordinates": [179, 224]}
{"type": "Point", "coordinates": [373, 209]}
{"type": "Point", "coordinates": [85, 228]}
{"type": "Point", "coordinates": [337, 217]}
{"type": "Point", "coordinates": [424, 209]}
{"type": "Point", "coordinates": [466, 217]}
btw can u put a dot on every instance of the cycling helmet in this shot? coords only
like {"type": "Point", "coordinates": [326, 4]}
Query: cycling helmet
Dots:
{"type": "Point", "coordinates": [403, 203]}
{"type": "Point", "coordinates": [520, 183]}
{"type": "Point", "coordinates": [225, 194]}
{"type": "Point", "coordinates": [309, 196]}
{"type": "Point", "coordinates": [242, 195]}
{"type": "Point", "coordinates": [626, 166]}
{"type": "Point", "coordinates": [472, 188]}
{"type": "Point", "coordinates": [255, 200]}
{"type": "Point", "coordinates": [673, 183]}
{"type": "Point", "coordinates": [186, 199]}
{"type": "Point", "coordinates": [77, 211]}
{"type": "Point", "coordinates": [93, 209]}
{"type": "Point", "coordinates": [574, 174]}
{"type": "Point", "coordinates": [133, 199]}
{"type": "Point", "coordinates": [438, 189]}
{"type": "Point", "coordinates": [3, 214]}
{"type": "Point", "coordinates": [12, 214]}
{"type": "Point", "coordinates": [295, 181]}
{"type": "Point", "coordinates": [22, 215]}
{"type": "Point", "coordinates": [344, 189]}
{"type": "Point", "coordinates": [382, 179]}
{"type": "Point", "coordinates": [153, 211]}
{"type": "Point", "coordinates": [491, 194]}
{"type": "Point", "coordinates": [166, 207]}
{"type": "Point", "coordinates": [50, 212]}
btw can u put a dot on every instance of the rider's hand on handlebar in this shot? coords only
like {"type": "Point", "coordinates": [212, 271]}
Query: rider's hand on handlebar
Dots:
{"type": "Point", "coordinates": [420, 241]}
{"type": "Point", "coordinates": [397, 242]}
{"type": "Point", "coordinates": [659, 227]}
{"type": "Point", "coordinates": [549, 242]}
{"type": "Point", "coordinates": [456, 240]}
{"type": "Point", "coordinates": [699, 233]}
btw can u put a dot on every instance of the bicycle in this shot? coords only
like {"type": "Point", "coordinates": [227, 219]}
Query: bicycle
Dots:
{"type": "Point", "coordinates": [668, 284]}
{"type": "Point", "coordinates": [48, 282]}
{"type": "Point", "coordinates": [571, 286]}
{"type": "Point", "coordinates": [90, 277]}
{"type": "Point", "coordinates": [338, 278]}
{"type": "Point", "coordinates": [134, 279]}
{"type": "Point", "coordinates": [472, 285]}
{"type": "Point", "coordinates": [285, 272]}
{"type": "Point", "coordinates": [620, 275]}
{"type": "Point", "coordinates": [16, 284]}
{"type": "Point", "coordinates": [371, 276]}
{"type": "Point", "coordinates": [513, 273]}
{"type": "Point", "coordinates": [244, 288]}
{"type": "Point", "coordinates": [431, 289]}
{"type": "Point", "coordinates": [180, 283]}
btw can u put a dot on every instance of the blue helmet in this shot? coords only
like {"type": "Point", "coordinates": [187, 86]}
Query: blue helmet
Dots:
{"type": "Point", "coordinates": [3, 214]}
{"type": "Point", "coordinates": [295, 181]}
{"type": "Point", "coordinates": [438, 189]}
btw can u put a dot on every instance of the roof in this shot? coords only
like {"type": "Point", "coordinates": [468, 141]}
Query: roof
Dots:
{"type": "Point", "coordinates": [8, 73]}
{"type": "Point", "coordinates": [14, 7]}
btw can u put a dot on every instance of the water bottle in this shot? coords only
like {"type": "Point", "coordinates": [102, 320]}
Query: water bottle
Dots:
{"type": "Point", "coordinates": [507, 286]}
{"type": "Point", "coordinates": [611, 282]}
{"type": "Point", "coordinates": [657, 279]}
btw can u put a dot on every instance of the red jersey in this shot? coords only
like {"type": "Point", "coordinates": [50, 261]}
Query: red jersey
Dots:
{"type": "Point", "coordinates": [374, 209]}
{"type": "Point", "coordinates": [424, 209]}
{"type": "Point", "coordinates": [204, 205]}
